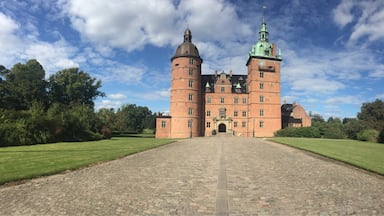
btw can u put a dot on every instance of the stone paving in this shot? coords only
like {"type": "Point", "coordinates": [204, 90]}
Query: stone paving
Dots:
{"type": "Point", "coordinates": [204, 176]}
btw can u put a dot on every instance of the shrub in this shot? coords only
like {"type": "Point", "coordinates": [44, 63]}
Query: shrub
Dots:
{"type": "Point", "coordinates": [370, 135]}
{"type": "Point", "coordinates": [310, 132]}
{"type": "Point", "coordinates": [106, 132]}
{"type": "Point", "coordinates": [381, 136]}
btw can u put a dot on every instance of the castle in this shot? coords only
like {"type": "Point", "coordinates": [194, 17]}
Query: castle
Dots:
{"type": "Point", "coordinates": [240, 105]}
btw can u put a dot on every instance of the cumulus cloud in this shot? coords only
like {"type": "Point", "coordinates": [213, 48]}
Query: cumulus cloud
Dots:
{"type": "Point", "coordinates": [366, 17]}
{"type": "Point", "coordinates": [342, 14]}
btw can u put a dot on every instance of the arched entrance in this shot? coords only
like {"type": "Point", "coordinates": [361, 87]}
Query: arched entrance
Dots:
{"type": "Point", "coordinates": [222, 128]}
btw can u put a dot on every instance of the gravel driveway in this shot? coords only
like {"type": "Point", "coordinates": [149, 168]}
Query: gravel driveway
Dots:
{"type": "Point", "coordinates": [204, 176]}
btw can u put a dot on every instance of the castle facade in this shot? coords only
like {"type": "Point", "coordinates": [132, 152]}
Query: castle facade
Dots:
{"type": "Point", "coordinates": [240, 105]}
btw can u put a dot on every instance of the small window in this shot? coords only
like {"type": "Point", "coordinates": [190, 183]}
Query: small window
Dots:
{"type": "Point", "coordinates": [244, 100]}
{"type": "Point", "coordinates": [261, 112]}
{"type": "Point", "coordinates": [209, 100]}
{"type": "Point", "coordinates": [190, 83]}
{"type": "Point", "coordinates": [236, 100]}
{"type": "Point", "coordinates": [208, 124]}
{"type": "Point", "coordinates": [261, 99]}
{"type": "Point", "coordinates": [244, 113]}
{"type": "Point", "coordinates": [190, 71]}
{"type": "Point", "coordinates": [261, 85]}
{"type": "Point", "coordinates": [190, 97]}
{"type": "Point", "coordinates": [236, 113]}
{"type": "Point", "coordinates": [222, 112]}
{"type": "Point", "coordinates": [222, 100]}
{"type": "Point", "coordinates": [222, 89]}
{"type": "Point", "coordinates": [243, 124]}
{"type": "Point", "coordinates": [208, 112]}
{"type": "Point", "coordinates": [261, 124]}
{"type": "Point", "coordinates": [190, 110]}
{"type": "Point", "coordinates": [191, 61]}
{"type": "Point", "coordinates": [190, 123]}
{"type": "Point", "coordinates": [235, 124]}
{"type": "Point", "coordinates": [163, 124]}
{"type": "Point", "coordinates": [261, 74]}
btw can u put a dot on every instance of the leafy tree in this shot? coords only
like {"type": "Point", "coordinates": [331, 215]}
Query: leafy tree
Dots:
{"type": "Point", "coordinates": [352, 127]}
{"type": "Point", "coordinates": [317, 118]}
{"type": "Point", "coordinates": [24, 85]}
{"type": "Point", "coordinates": [133, 117]}
{"type": "Point", "coordinates": [372, 114]}
{"type": "Point", "coordinates": [108, 118]}
{"type": "Point", "coordinates": [71, 86]}
{"type": "Point", "coordinates": [370, 135]}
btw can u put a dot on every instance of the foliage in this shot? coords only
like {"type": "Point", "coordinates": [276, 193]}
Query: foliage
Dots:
{"type": "Point", "coordinates": [380, 139]}
{"type": "Point", "coordinates": [33, 110]}
{"type": "Point", "coordinates": [298, 132]}
{"type": "Point", "coordinates": [370, 135]}
{"type": "Point", "coordinates": [134, 118]}
{"type": "Point", "coordinates": [372, 114]}
{"type": "Point", "coordinates": [361, 154]}
{"type": "Point", "coordinates": [71, 86]}
{"type": "Point", "coordinates": [23, 162]}
{"type": "Point", "coordinates": [106, 132]}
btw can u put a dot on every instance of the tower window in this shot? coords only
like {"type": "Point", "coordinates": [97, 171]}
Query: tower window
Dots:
{"type": "Point", "coordinates": [208, 124]}
{"type": "Point", "coordinates": [261, 85]}
{"type": "Point", "coordinates": [235, 113]}
{"type": "Point", "coordinates": [191, 61]}
{"type": "Point", "coordinates": [209, 100]}
{"type": "Point", "coordinates": [261, 74]}
{"type": "Point", "coordinates": [222, 89]}
{"type": "Point", "coordinates": [261, 112]}
{"type": "Point", "coordinates": [190, 97]}
{"type": "Point", "coordinates": [261, 124]}
{"type": "Point", "coordinates": [190, 71]}
{"type": "Point", "coordinates": [244, 113]}
{"type": "Point", "coordinates": [235, 124]}
{"type": "Point", "coordinates": [163, 124]}
{"type": "Point", "coordinates": [190, 123]}
{"type": "Point", "coordinates": [208, 112]}
{"type": "Point", "coordinates": [244, 100]}
{"type": "Point", "coordinates": [190, 83]}
{"type": "Point", "coordinates": [236, 100]}
{"type": "Point", "coordinates": [222, 100]}
{"type": "Point", "coordinates": [261, 99]}
{"type": "Point", "coordinates": [243, 124]}
{"type": "Point", "coordinates": [190, 110]}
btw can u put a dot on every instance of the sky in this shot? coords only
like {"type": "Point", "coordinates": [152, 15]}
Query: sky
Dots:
{"type": "Point", "coordinates": [333, 50]}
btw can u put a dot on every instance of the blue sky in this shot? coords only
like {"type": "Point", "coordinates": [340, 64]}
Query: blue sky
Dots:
{"type": "Point", "coordinates": [333, 51]}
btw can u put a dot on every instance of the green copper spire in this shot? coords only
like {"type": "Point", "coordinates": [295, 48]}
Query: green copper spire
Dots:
{"type": "Point", "coordinates": [263, 48]}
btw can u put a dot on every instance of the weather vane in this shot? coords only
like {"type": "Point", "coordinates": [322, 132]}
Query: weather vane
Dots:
{"type": "Point", "coordinates": [264, 8]}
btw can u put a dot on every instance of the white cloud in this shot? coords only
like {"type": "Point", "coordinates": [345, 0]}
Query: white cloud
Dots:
{"type": "Point", "coordinates": [342, 14]}
{"type": "Point", "coordinates": [117, 96]}
{"type": "Point", "coordinates": [367, 18]}
{"type": "Point", "coordinates": [123, 24]}
{"type": "Point", "coordinates": [343, 100]}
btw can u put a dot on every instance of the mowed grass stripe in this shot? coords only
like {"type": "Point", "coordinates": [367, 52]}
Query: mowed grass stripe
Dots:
{"type": "Point", "coordinates": [25, 162]}
{"type": "Point", "coordinates": [366, 155]}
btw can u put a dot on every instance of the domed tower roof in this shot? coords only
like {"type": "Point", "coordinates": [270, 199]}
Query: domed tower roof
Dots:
{"type": "Point", "coordinates": [187, 48]}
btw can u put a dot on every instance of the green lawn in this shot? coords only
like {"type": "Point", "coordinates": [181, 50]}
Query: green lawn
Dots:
{"type": "Point", "coordinates": [24, 162]}
{"type": "Point", "coordinates": [366, 155]}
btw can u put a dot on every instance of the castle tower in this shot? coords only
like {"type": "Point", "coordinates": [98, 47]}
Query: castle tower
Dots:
{"type": "Point", "coordinates": [186, 101]}
{"type": "Point", "coordinates": [264, 86]}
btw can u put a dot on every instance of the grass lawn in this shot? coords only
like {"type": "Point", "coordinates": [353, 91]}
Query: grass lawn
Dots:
{"type": "Point", "coordinates": [366, 155]}
{"type": "Point", "coordinates": [25, 162]}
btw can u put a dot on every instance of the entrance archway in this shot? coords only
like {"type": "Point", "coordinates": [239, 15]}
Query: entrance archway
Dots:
{"type": "Point", "coordinates": [222, 128]}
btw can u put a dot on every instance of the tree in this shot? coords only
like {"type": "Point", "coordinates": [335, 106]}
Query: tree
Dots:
{"type": "Point", "coordinates": [372, 114]}
{"type": "Point", "coordinates": [71, 86]}
{"type": "Point", "coordinates": [24, 85]}
{"type": "Point", "coordinates": [352, 127]}
{"type": "Point", "coordinates": [133, 117]}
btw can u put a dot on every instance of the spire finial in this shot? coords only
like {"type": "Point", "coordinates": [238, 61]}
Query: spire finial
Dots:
{"type": "Point", "coordinates": [264, 8]}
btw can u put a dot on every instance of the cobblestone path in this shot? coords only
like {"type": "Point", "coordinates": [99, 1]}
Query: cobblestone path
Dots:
{"type": "Point", "coordinates": [204, 176]}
